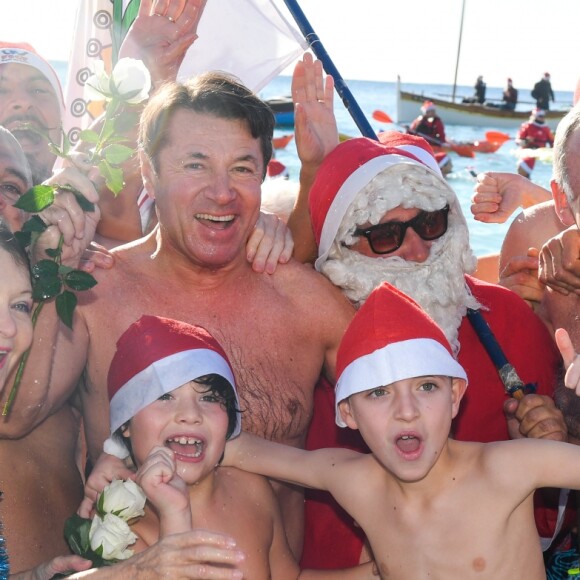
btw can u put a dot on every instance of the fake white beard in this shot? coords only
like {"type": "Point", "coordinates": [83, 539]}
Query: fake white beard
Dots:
{"type": "Point", "coordinates": [437, 285]}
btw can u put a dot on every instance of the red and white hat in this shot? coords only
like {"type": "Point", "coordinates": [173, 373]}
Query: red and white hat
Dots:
{"type": "Point", "coordinates": [390, 339]}
{"type": "Point", "coordinates": [156, 356]}
{"type": "Point", "coordinates": [350, 167]}
{"type": "Point", "coordinates": [23, 53]}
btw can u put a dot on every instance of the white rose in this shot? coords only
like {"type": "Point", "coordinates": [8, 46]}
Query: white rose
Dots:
{"type": "Point", "coordinates": [112, 535]}
{"type": "Point", "coordinates": [130, 75]}
{"type": "Point", "coordinates": [123, 498]}
{"type": "Point", "coordinates": [97, 86]}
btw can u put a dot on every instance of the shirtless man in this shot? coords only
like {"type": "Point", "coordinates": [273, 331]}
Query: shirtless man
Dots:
{"type": "Point", "coordinates": [204, 151]}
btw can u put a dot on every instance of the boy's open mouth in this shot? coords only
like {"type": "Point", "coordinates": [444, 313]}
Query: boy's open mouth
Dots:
{"type": "Point", "coordinates": [186, 446]}
{"type": "Point", "coordinates": [408, 443]}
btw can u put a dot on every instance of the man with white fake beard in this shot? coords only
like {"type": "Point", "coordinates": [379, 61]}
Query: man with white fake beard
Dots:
{"type": "Point", "coordinates": [381, 211]}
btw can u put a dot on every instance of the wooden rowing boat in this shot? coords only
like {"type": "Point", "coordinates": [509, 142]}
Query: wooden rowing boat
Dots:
{"type": "Point", "coordinates": [471, 114]}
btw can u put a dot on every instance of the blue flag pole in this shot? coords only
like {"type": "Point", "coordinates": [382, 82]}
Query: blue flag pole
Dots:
{"type": "Point", "coordinates": [321, 54]}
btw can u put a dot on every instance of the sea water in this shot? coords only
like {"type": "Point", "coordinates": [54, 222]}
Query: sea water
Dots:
{"type": "Point", "coordinates": [370, 96]}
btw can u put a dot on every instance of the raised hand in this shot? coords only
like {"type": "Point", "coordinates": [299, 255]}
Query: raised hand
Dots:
{"type": "Point", "coordinates": [571, 360]}
{"type": "Point", "coordinates": [315, 128]}
{"type": "Point", "coordinates": [498, 195]}
{"type": "Point", "coordinates": [161, 34]}
{"type": "Point", "coordinates": [163, 487]}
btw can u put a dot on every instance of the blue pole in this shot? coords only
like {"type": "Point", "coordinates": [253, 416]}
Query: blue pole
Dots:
{"type": "Point", "coordinates": [321, 54]}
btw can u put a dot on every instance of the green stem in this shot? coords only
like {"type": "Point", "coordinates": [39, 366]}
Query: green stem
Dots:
{"type": "Point", "coordinates": [21, 366]}
{"type": "Point", "coordinates": [24, 359]}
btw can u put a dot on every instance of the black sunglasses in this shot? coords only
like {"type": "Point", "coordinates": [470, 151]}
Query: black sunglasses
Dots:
{"type": "Point", "coordinates": [388, 237]}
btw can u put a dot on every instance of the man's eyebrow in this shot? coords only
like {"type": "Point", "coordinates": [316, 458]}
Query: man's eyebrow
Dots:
{"type": "Point", "coordinates": [18, 174]}
{"type": "Point", "coordinates": [248, 157]}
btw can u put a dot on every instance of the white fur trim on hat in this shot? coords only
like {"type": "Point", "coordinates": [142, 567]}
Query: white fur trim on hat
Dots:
{"type": "Point", "coordinates": [166, 375]}
{"type": "Point", "coordinates": [395, 362]}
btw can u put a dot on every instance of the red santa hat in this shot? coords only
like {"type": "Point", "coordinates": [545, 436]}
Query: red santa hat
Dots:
{"type": "Point", "coordinates": [351, 166]}
{"type": "Point", "coordinates": [390, 339]}
{"type": "Point", "coordinates": [156, 356]}
{"type": "Point", "coordinates": [23, 53]}
{"type": "Point", "coordinates": [546, 75]}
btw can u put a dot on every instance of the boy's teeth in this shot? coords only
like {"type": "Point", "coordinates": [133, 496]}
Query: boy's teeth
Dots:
{"type": "Point", "coordinates": [186, 440]}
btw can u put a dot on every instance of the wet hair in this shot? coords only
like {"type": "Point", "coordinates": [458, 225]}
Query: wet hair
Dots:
{"type": "Point", "coordinates": [10, 244]}
{"type": "Point", "coordinates": [212, 93]}
{"type": "Point", "coordinates": [566, 128]}
{"type": "Point", "coordinates": [217, 386]}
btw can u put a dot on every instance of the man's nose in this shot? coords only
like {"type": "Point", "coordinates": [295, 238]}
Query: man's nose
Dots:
{"type": "Point", "coordinates": [220, 189]}
{"type": "Point", "coordinates": [414, 248]}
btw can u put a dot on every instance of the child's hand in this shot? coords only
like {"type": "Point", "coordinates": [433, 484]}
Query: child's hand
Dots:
{"type": "Point", "coordinates": [107, 468]}
{"type": "Point", "coordinates": [162, 485]}
{"type": "Point", "coordinates": [571, 360]}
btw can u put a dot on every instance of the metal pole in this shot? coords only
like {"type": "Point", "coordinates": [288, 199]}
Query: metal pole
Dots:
{"type": "Point", "coordinates": [320, 52]}
{"type": "Point", "coordinates": [458, 51]}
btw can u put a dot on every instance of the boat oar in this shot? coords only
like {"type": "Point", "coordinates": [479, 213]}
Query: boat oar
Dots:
{"type": "Point", "coordinates": [382, 117]}
{"type": "Point", "coordinates": [497, 137]}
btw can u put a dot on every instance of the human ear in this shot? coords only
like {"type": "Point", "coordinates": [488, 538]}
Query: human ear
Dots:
{"type": "Point", "coordinates": [346, 414]}
{"type": "Point", "coordinates": [563, 209]}
{"type": "Point", "coordinates": [147, 174]}
{"type": "Point", "coordinates": [458, 387]}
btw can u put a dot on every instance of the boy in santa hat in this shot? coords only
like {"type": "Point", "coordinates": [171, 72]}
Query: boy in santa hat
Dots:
{"type": "Point", "coordinates": [174, 404]}
{"type": "Point", "coordinates": [419, 494]}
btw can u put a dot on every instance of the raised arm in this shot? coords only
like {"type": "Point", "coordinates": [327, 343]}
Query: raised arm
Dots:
{"type": "Point", "coordinates": [497, 195]}
{"type": "Point", "coordinates": [316, 135]}
{"type": "Point", "coordinates": [314, 469]}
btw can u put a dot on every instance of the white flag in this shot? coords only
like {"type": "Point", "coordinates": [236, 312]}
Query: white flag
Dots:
{"type": "Point", "coordinates": [252, 39]}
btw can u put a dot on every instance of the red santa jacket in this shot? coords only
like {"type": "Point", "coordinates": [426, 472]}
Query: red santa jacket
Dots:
{"type": "Point", "coordinates": [332, 540]}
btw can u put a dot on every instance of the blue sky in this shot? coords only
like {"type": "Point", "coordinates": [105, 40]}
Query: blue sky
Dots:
{"type": "Point", "coordinates": [378, 39]}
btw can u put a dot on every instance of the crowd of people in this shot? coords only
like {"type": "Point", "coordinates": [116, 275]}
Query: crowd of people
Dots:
{"type": "Point", "coordinates": [222, 325]}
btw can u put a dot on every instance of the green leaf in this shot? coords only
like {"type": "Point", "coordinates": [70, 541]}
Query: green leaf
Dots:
{"type": "Point", "coordinates": [76, 533]}
{"type": "Point", "coordinates": [89, 136]}
{"type": "Point", "coordinates": [65, 307]}
{"type": "Point", "coordinates": [36, 199]}
{"type": "Point", "coordinates": [34, 224]}
{"type": "Point", "coordinates": [24, 238]}
{"type": "Point", "coordinates": [78, 280]}
{"type": "Point", "coordinates": [100, 507]}
{"type": "Point", "coordinates": [117, 154]}
{"type": "Point", "coordinates": [53, 252]}
{"type": "Point", "coordinates": [46, 288]}
{"type": "Point", "coordinates": [113, 176]}
{"type": "Point", "coordinates": [44, 268]}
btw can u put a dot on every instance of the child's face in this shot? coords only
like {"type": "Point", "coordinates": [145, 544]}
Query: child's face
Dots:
{"type": "Point", "coordinates": [406, 424]}
{"type": "Point", "coordinates": [15, 311]}
{"type": "Point", "coordinates": [191, 421]}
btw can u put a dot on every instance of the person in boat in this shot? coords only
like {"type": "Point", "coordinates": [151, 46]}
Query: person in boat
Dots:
{"type": "Point", "coordinates": [533, 134]}
{"type": "Point", "coordinates": [509, 98]}
{"type": "Point", "coordinates": [428, 125]}
{"type": "Point", "coordinates": [479, 89]}
{"type": "Point", "coordinates": [400, 386]}
{"type": "Point", "coordinates": [543, 92]}
{"type": "Point", "coordinates": [402, 223]}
